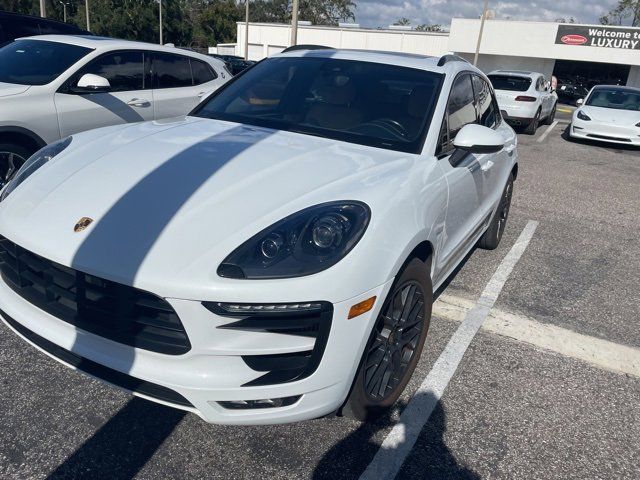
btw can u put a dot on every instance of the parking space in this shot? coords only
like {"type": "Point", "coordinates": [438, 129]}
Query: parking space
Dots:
{"type": "Point", "coordinates": [518, 405]}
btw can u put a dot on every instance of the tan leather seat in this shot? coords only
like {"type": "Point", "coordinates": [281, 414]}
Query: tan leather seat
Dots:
{"type": "Point", "coordinates": [335, 112]}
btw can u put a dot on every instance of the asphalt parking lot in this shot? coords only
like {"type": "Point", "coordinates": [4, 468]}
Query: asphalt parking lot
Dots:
{"type": "Point", "coordinates": [548, 387]}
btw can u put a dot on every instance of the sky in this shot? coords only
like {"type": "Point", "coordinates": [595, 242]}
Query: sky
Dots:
{"type": "Point", "coordinates": [380, 13]}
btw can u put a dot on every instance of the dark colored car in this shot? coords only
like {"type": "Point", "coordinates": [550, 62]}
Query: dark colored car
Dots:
{"type": "Point", "coordinates": [15, 25]}
{"type": "Point", "coordinates": [234, 63]}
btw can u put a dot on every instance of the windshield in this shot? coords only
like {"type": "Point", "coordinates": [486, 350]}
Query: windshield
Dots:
{"type": "Point", "coordinates": [513, 84]}
{"type": "Point", "coordinates": [35, 62]}
{"type": "Point", "coordinates": [359, 102]}
{"type": "Point", "coordinates": [614, 98]}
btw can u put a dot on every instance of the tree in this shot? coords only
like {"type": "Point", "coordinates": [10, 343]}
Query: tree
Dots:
{"type": "Point", "coordinates": [216, 22]}
{"type": "Point", "coordinates": [318, 12]}
{"type": "Point", "coordinates": [565, 20]}
{"type": "Point", "coordinates": [624, 11]}
{"type": "Point", "coordinates": [404, 21]}
{"type": "Point", "coordinates": [429, 28]}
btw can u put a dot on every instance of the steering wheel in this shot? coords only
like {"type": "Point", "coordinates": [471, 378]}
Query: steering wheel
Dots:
{"type": "Point", "coordinates": [391, 124]}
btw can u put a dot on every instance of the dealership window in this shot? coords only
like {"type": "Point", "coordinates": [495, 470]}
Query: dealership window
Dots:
{"type": "Point", "coordinates": [124, 70]}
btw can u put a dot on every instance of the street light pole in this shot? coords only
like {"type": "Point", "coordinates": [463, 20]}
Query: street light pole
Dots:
{"type": "Point", "coordinates": [294, 23]}
{"type": "Point", "coordinates": [246, 29]}
{"type": "Point", "coordinates": [64, 10]}
{"type": "Point", "coordinates": [86, 8]}
{"type": "Point", "coordinates": [484, 15]}
{"type": "Point", "coordinates": [43, 9]}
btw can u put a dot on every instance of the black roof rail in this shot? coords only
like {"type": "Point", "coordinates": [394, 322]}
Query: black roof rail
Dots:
{"type": "Point", "coordinates": [306, 47]}
{"type": "Point", "coordinates": [450, 58]}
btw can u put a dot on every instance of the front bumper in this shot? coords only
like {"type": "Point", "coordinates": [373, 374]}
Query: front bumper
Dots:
{"type": "Point", "coordinates": [213, 370]}
{"type": "Point", "coordinates": [604, 132]}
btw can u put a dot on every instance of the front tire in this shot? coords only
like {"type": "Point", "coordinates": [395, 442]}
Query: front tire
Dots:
{"type": "Point", "coordinates": [491, 238]}
{"type": "Point", "coordinates": [12, 156]}
{"type": "Point", "coordinates": [395, 345]}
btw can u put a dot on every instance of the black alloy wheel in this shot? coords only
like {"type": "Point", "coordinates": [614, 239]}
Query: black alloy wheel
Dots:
{"type": "Point", "coordinates": [396, 339]}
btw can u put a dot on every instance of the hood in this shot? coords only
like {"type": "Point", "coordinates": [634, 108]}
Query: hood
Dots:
{"type": "Point", "coordinates": [173, 199]}
{"type": "Point", "coordinates": [611, 115]}
{"type": "Point", "coordinates": [8, 89]}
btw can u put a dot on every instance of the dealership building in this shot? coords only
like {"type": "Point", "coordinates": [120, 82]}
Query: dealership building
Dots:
{"type": "Point", "coordinates": [592, 53]}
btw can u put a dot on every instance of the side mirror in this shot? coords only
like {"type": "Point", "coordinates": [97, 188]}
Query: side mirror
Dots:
{"type": "Point", "coordinates": [90, 83]}
{"type": "Point", "coordinates": [474, 138]}
{"type": "Point", "coordinates": [579, 102]}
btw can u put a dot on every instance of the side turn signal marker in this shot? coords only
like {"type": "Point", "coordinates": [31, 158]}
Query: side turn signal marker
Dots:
{"type": "Point", "coordinates": [362, 307]}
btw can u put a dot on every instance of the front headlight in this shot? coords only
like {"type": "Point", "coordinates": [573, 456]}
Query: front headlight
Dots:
{"type": "Point", "coordinates": [583, 116]}
{"type": "Point", "coordinates": [34, 162]}
{"type": "Point", "coordinates": [304, 243]}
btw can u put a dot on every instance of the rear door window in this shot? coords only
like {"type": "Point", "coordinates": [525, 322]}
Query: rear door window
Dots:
{"type": "Point", "coordinates": [485, 101]}
{"type": "Point", "coordinates": [202, 73]}
{"type": "Point", "coordinates": [172, 71]}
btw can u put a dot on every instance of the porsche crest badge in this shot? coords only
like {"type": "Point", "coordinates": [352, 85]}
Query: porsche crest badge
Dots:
{"type": "Point", "coordinates": [83, 223]}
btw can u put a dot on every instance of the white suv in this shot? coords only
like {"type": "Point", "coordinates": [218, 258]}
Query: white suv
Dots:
{"type": "Point", "coordinates": [271, 257]}
{"type": "Point", "coordinates": [52, 86]}
{"type": "Point", "coordinates": [525, 98]}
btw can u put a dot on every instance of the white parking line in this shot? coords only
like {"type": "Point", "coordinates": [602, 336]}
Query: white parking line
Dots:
{"type": "Point", "coordinates": [547, 131]}
{"type": "Point", "coordinates": [596, 351]}
{"type": "Point", "coordinates": [395, 448]}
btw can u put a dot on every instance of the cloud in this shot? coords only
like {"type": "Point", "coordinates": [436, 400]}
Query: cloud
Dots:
{"type": "Point", "coordinates": [378, 13]}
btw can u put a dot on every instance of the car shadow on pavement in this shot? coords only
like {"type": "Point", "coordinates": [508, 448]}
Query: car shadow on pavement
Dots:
{"type": "Point", "coordinates": [123, 445]}
{"type": "Point", "coordinates": [429, 458]}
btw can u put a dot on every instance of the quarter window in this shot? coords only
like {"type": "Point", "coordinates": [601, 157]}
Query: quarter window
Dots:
{"type": "Point", "coordinates": [124, 70]}
{"type": "Point", "coordinates": [172, 71]}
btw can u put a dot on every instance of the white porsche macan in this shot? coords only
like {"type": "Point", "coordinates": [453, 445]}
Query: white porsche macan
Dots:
{"type": "Point", "coordinates": [271, 257]}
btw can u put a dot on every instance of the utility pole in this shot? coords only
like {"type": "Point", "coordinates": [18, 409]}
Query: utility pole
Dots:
{"type": "Point", "coordinates": [43, 9]}
{"type": "Point", "coordinates": [246, 29]}
{"type": "Point", "coordinates": [86, 8]}
{"type": "Point", "coordinates": [294, 23]}
{"type": "Point", "coordinates": [484, 16]}
{"type": "Point", "coordinates": [160, 20]}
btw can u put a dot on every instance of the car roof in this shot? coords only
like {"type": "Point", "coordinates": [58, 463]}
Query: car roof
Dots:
{"type": "Point", "coordinates": [410, 60]}
{"type": "Point", "coordinates": [618, 88]}
{"type": "Point", "coordinates": [516, 73]}
{"type": "Point", "coordinates": [108, 44]}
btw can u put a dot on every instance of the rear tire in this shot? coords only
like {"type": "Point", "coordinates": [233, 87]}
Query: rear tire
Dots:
{"type": "Point", "coordinates": [491, 238]}
{"type": "Point", "coordinates": [552, 116]}
{"type": "Point", "coordinates": [533, 126]}
{"type": "Point", "coordinates": [395, 344]}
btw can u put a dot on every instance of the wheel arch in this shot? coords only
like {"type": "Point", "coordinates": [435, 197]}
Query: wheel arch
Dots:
{"type": "Point", "coordinates": [21, 136]}
{"type": "Point", "coordinates": [514, 170]}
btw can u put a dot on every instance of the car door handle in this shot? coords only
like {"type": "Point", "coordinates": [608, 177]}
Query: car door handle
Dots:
{"type": "Point", "coordinates": [138, 102]}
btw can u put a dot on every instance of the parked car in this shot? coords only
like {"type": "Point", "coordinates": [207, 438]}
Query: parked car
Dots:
{"type": "Point", "coordinates": [53, 86]}
{"type": "Point", "coordinates": [609, 114]}
{"type": "Point", "coordinates": [15, 25]}
{"type": "Point", "coordinates": [570, 92]}
{"type": "Point", "coordinates": [271, 257]}
{"type": "Point", "coordinates": [525, 98]}
{"type": "Point", "coordinates": [234, 63]}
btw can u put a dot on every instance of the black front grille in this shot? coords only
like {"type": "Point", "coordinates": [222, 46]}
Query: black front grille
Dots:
{"type": "Point", "coordinates": [109, 309]}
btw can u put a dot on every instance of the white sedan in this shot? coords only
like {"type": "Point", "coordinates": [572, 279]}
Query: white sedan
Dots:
{"type": "Point", "coordinates": [273, 256]}
{"type": "Point", "coordinates": [525, 98]}
{"type": "Point", "coordinates": [609, 114]}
